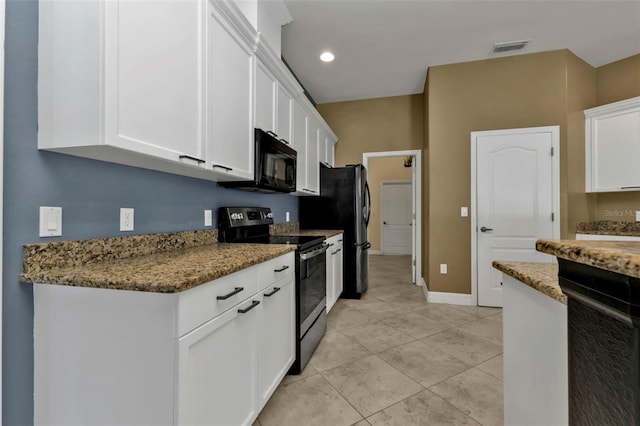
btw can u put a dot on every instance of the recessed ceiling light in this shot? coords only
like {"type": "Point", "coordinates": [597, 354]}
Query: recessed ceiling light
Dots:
{"type": "Point", "coordinates": [327, 57]}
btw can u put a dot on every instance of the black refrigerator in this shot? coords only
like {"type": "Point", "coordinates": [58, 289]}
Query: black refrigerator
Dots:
{"type": "Point", "coordinates": [344, 203]}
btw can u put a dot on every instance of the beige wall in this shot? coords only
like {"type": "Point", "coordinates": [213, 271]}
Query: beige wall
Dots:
{"type": "Point", "coordinates": [581, 95]}
{"type": "Point", "coordinates": [382, 169]}
{"type": "Point", "coordinates": [374, 125]}
{"type": "Point", "coordinates": [550, 88]}
{"type": "Point", "coordinates": [614, 82]}
{"type": "Point", "coordinates": [512, 92]}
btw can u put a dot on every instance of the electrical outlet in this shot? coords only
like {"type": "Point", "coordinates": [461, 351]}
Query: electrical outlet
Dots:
{"type": "Point", "coordinates": [637, 215]}
{"type": "Point", "coordinates": [126, 219]}
{"type": "Point", "coordinates": [286, 217]}
{"type": "Point", "coordinates": [208, 220]}
{"type": "Point", "coordinates": [443, 268]}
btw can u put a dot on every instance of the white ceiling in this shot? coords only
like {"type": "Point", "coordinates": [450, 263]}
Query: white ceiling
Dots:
{"type": "Point", "coordinates": [384, 47]}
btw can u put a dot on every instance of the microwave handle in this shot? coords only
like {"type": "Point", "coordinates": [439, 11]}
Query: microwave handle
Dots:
{"type": "Point", "coordinates": [269, 132]}
{"type": "Point", "coordinates": [222, 167]}
{"type": "Point", "coordinates": [284, 141]}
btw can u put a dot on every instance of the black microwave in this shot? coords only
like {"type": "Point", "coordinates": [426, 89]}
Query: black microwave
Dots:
{"type": "Point", "coordinates": [274, 165]}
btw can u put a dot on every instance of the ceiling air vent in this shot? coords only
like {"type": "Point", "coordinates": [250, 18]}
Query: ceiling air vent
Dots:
{"type": "Point", "coordinates": [508, 46]}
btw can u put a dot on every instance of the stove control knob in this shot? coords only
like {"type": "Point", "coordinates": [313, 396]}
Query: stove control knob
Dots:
{"type": "Point", "coordinates": [270, 215]}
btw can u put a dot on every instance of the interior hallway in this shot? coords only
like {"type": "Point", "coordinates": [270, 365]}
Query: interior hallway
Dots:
{"type": "Point", "coordinates": [394, 359]}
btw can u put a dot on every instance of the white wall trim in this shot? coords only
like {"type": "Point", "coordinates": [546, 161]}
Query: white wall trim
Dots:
{"type": "Point", "coordinates": [555, 144]}
{"type": "Point", "coordinates": [448, 298]}
{"type": "Point", "coordinates": [2, 26]}
{"type": "Point", "coordinates": [417, 160]}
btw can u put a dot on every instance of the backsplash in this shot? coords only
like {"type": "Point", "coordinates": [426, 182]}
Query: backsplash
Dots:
{"type": "Point", "coordinates": [609, 227]}
{"type": "Point", "coordinates": [62, 254]}
{"type": "Point", "coordinates": [284, 228]}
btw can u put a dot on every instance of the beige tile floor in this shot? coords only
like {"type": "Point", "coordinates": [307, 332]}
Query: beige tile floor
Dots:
{"type": "Point", "coordinates": [391, 358]}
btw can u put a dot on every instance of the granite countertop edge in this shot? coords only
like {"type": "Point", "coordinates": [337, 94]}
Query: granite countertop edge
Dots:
{"type": "Point", "coordinates": [167, 272]}
{"type": "Point", "coordinates": [622, 257]}
{"type": "Point", "coordinates": [542, 277]}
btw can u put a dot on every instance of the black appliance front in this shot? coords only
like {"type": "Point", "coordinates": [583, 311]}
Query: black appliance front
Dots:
{"type": "Point", "coordinates": [311, 313]}
{"type": "Point", "coordinates": [274, 166]}
{"type": "Point", "coordinates": [344, 203]}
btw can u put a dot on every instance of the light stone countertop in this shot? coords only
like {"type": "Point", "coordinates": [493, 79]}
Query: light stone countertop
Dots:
{"type": "Point", "coordinates": [540, 276]}
{"type": "Point", "coordinates": [622, 257]}
{"type": "Point", "coordinates": [163, 263]}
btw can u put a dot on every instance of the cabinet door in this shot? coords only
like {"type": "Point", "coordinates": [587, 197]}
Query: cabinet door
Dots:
{"type": "Point", "coordinates": [285, 103]}
{"type": "Point", "coordinates": [266, 93]}
{"type": "Point", "coordinates": [276, 336]}
{"type": "Point", "coordinates": [230, 79]}
{"type": "Point", "coordinates": [299, 141]}
{"type": "Point", "coordinates": [331, 299]}
{"type": "Point", "coordinates": [331, 146]}
{"type": "Point", "coordinates": [154, 84]}
{"type": "Point", "coordinates": [313, 166]}
{"type": "Point", "coordinates": [322, 146]}
{"type": "Point", "coordinates": [613, 150]}
{"type": "Point", "coordinates": [337, 270]}
{"type": "Point", "coordinates": [217, 370]}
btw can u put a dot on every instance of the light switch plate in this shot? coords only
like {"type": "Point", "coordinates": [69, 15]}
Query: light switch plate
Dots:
{"type": "Point", "coordinates": [208, 218]}
{"type": "Point", "coordinates": [464, 211]}
{"type": "Point", "coordinates": [50, 221]}
{"type": "Point", "coordinates": [126, 219]}
{"type": "Point", "coordinates": [637, 215]}
{"type": "Point", "coordinates": [286, 219]}
{"type": "Point", "coordinates": [443, 268]}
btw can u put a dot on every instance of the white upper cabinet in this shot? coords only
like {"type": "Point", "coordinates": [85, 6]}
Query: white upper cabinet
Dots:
{"type": "Point", "coordinates": [175, 86]}
{"type": "Point", "coordinates": [326, 144]}
{"type": "Point", "coordinates": [313, 166]}
{"type": "Point", "coordinates": [285, 105]}
{"type": "Point", "coordinates": [130, 89]}
{"type": "Point", "coordinates": [613, 147]}
{"type": "Point", "coordinates": [266, 98]}
{"type": "Point", "coordinates": [230, 79]}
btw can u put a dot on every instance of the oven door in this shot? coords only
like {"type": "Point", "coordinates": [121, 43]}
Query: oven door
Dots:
{"type": "Point", "coordinates": [312, 275]}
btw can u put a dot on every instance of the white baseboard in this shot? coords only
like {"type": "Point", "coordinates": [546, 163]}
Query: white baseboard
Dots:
{"type": "Point", "coordinates": [449, 298]}
{"type": "Point", "coordinates": [375, 252]}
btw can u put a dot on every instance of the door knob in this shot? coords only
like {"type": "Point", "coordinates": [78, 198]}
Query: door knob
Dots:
{"type": "Point", "coordinates": [485, 229]}
{"type": "Point", "coordinates": [384, 223]}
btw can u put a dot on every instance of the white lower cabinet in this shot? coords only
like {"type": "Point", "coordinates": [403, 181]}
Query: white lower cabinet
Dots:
{"type": "Point", "coordinates": [222, 351]}
{"type": "Point", "coordinates": [210, 355]}
{"type": "Point", "coordinates": [536, 389]}
{"type": "Point", "coordinates": [276, 336]}
{"type": "Point", "coordinates": [335, 262]}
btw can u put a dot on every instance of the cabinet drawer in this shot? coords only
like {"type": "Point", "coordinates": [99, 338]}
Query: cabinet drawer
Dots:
{"type": "Point", "coordinates": [275, 269]}
{"type": "Point", "coordinates": [200, 304]}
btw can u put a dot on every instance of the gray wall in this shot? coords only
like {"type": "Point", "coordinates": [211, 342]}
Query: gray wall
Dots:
{"type": "Point", "coordinates": [90, 193]}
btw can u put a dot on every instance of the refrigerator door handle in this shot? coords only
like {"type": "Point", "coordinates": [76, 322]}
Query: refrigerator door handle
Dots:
{"type": "Point", "coordinates": [367, 204]}
{"type": "Point", "coordinates": [365, 246]}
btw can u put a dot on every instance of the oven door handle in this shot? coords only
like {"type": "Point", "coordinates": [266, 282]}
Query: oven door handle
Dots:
{"type": "Point", "coordinates": [313, 253]}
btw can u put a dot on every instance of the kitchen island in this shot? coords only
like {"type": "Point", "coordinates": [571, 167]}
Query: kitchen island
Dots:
{"type": "Point", "coordinates": [534, 318]}
{"type": "Point", "coordinates": [601, 280]}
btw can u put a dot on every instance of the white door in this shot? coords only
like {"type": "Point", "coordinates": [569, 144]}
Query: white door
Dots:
{"type": "Point", "coordinates": [514, 202]}
{"type": "Point", "coordinates": [396, 207]}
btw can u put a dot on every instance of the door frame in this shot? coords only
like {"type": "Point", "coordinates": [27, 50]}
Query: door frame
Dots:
{"type": "Point", "coordinates": [416, 154]}
{"type": "Point", "coordinates": [382, 183]}
{"type": "Point", "coordinates": [2, 41]}
{"type": "Point", "coordinates": [555, 179]}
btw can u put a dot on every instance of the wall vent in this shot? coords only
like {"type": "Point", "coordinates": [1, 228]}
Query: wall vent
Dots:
{"type": "Point", "coordinates": [508, 46]}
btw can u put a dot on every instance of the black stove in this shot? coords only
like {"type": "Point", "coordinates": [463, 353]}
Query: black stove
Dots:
{"type": "Point", "coordinates": [251, 225]}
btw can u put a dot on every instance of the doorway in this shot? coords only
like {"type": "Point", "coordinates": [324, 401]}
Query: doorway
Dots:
{"type": "Point", "coordinates": [411, 161]}
{"type": "Point", "coordinates": [515, 198]}
{"type": "Point", "coordinates": [396, 222]}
